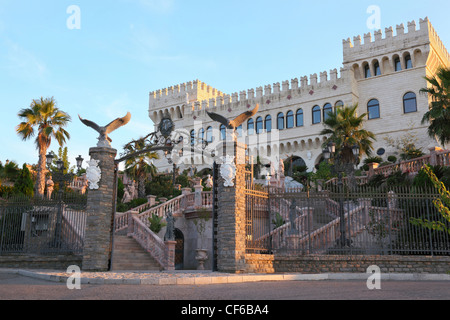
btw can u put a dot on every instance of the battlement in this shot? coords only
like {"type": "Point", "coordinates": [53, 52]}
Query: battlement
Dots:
{"type": "Point", "coordinates": [422, 34]}
{"type": "Point", "coordinates": [266, 94]}
{"type": "Point", "coordinates": [183, 93]}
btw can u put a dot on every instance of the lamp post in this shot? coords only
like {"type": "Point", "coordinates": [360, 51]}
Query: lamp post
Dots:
{"type": "Point", "coordinates": [339, 166]}
{"type": "Point", "coordinates": [61, 178]}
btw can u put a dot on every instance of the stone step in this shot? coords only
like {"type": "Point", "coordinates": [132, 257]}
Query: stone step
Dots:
{"type": "Point", "coordinates": [129, 255]}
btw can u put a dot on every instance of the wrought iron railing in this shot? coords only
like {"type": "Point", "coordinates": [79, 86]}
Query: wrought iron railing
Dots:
{"type": "Point", "coordinates": [339, 221]}
{"type": "Point", "coordinates": [43, 226]}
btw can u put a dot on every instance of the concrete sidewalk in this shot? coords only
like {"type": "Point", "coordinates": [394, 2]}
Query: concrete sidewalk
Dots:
{"type": "Point", "coordinates": [208, 277]}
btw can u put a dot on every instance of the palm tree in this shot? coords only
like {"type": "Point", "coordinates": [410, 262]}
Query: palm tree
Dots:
{"type": "Point", "coordinates": [439, 114]}
{"type": "Point", "coordinates": [45, 121]}
{"type": "Point", "coordinates": [140, 167]}
{"type": "Point", "coordinates": [345, 129]}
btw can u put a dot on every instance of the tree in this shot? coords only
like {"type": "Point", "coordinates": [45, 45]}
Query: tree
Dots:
{"type": "Point", "coordinates": [345, 129]}
{"type": "Point", "coordinates": [63, 156]}
{"type": "Point", "coordinates": [24, 183]}
{"type": "Point", "coordinates": [45, 121]}
{"type": "Point", "coordinates": [9, 172]}
{"type": "Point", "coordinates": [139, 166]}
{"type": "Point", "coordinates": [438, 115]}
{"type": "Point", "coordinates": [406, 145]}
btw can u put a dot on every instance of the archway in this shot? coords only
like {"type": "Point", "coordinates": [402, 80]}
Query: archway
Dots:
{"type": "Point", "coordinates": [179, 250]}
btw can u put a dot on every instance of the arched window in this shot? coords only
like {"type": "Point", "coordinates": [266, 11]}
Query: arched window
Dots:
{"type": "Point", "coordinates": [327, 109]}
{"type": "Point", "coordinates": [268, 123]}
{"type": "Point", "coordinates": [367, 73]}
{"type": "Point", "coordinates": [408, 62]}
{"type": "Point", "coordinates": [192, 137]}
{"type": "Point", "coordinates": [398, 64]}
{"type": "Point", "coordinates": [316, 116]}
{"type": "Point", "coordinates": [289, 119]}
{"type": "Point", "coordinates": [223, 132]}
{"type": "Point", "coordinates": [201, 134]}
{"type": "Point", "coordinates": [259, 125]}
{"type": "Point", "coordinates": [280, 121]}
{"type": "Point", "coordinates": [338, 105]}
{"type": "Point", "coordinates": [209, 135]}
{"type": "Point", "coordinates": [250, 127]}
{"type": "Point", "coordinates": [373, 109]}
{"type": "Point", "coordinates": [299, 118]}
{"type": "Point", "coordinates": [377, 68]}
{"type": "Point", "coordinates": [409, 102]}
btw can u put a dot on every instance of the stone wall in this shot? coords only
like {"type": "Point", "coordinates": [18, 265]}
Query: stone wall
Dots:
{"type": "Point", "coordinates": [348, 264]}
{"type": "Point", "coordinates": [27, 261]}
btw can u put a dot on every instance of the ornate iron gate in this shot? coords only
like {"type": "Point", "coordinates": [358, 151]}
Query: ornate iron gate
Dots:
{"type": "Point", "coordinates": [214, 214]}
{"type": "Point", "coordinates": [258, 224]}
{"type": "Point", "coordinates": [43, 226]}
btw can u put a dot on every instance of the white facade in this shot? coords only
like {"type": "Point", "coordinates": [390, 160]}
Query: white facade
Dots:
{"type": "Point", "coordinates": [417, 52]}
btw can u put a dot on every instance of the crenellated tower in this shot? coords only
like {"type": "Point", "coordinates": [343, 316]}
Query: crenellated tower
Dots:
{"type": "Point", "coordinates": [175, 99]}
{"type": "Point", "coordinates": [420, 43]}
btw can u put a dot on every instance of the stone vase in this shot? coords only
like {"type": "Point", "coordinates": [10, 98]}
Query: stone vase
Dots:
{"type": "Point", "coordinates": [201, 256]}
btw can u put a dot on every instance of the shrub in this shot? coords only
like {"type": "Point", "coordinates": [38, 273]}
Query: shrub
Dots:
{"type": "Point", "coordinates": [156, 223]}
{"type": "Point", "coordinates": [392, 159]}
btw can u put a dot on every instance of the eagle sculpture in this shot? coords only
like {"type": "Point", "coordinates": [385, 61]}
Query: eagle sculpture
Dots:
{"type": "Point", "coordinates": [103, 139]}
{"type": "Point", "coordinates": [233, 124]}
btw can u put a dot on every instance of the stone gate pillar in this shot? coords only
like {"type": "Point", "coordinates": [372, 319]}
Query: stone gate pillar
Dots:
{"type": "Point", "coordinates": [99, 222]}
{"type": "Point", "coordinates": [231, 212]}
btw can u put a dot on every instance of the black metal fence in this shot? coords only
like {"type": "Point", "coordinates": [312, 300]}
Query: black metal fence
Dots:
{"type": "Point", "coordinates": [339, 221]}
{"type": "Point", "coordinates": [42, 226]}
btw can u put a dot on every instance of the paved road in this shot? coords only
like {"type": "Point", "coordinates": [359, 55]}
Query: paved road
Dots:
{"type": "Point", "coordinates": [17, 287]}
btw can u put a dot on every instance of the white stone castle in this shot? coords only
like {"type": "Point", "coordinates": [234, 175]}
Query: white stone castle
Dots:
{"type": "Point", "coordinates": [383, 76]}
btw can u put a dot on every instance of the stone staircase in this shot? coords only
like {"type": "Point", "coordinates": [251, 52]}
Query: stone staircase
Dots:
{"type": "Point", "coordinates": [129, 256]}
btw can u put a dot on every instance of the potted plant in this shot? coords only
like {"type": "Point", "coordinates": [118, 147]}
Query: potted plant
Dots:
{"type": "Point", "coordinates": [200, 224]}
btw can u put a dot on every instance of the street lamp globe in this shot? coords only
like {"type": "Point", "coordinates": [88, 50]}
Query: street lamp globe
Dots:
{"type": "Point", "coordinates": [326, 154]}
{"type": "Point", "coordinates": [60, 164]}
{"type": "Point", "coordinates": [49, 159]}
{"type": "Point", "coordinates": [332, 147]}
{"type": "Point", "coordinates": [79, 160]}
{"type": "Point", "coordinates": [355, 150]}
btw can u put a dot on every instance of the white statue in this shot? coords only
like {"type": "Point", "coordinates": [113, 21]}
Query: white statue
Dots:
{"type": "Point", "coordinates": [281, 168]}
{"type": "Point", "coordinates": [132, 189]}
{"type": "Point", "coordinates": [126, 196]}
{"type": "Point", "coordinates": [228, 170]}
{"type": "Point", "coordinates": [272, 170]}
{"type": "Point", "coordinates": [50, 187]}
{"type": "Point", "coordinates": [209, 181]}
{"type": "Point", "coordinates": [93, 174]}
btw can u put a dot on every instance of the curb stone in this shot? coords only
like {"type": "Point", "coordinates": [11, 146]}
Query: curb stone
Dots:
{"type": "Point", "coordinates": [190, 279]}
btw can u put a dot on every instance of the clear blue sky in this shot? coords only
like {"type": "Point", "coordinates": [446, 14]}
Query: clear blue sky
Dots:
{"type": "Point", "coordinates": [127, 48]}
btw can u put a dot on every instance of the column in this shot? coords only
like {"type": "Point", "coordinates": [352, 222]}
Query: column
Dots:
{"type": "Point", "coordinates": [99, 222]}
{"type": "Point", "coordinates": [231, 213]}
